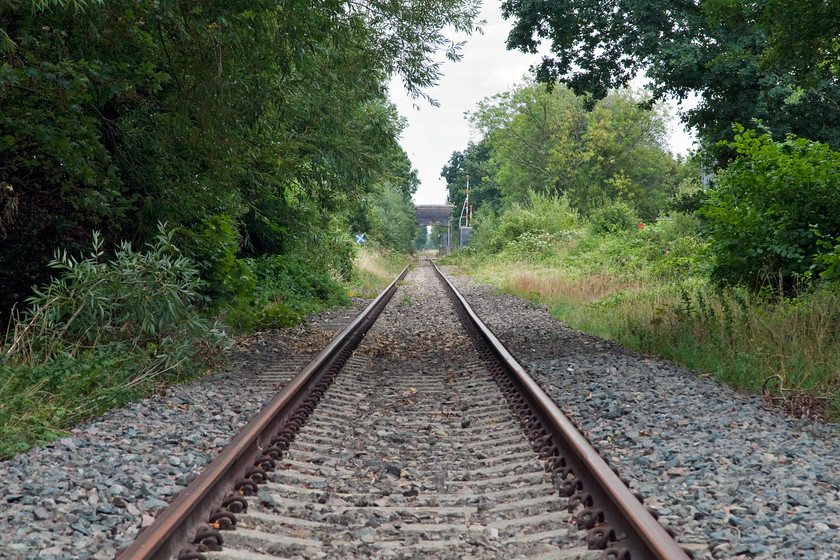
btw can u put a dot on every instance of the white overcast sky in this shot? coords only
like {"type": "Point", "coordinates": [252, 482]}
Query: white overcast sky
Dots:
{"type": "Point", "coordinates": [487, 68]}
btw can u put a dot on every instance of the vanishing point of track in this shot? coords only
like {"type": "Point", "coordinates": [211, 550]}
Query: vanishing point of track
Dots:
{"type": "Point", "coordinates": [486, 465]}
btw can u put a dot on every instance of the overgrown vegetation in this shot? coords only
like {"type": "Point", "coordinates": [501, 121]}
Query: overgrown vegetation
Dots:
{"type": "Point", "coordinates": [259, 131]}
{"type": "Point", "coordinates": [375, 267]}
{"type": "Point", "coordinates": [774, 214]}
{"type": "Point", "coordinates": [739, 279]}
{"type": "Point", "coordinates": [652, 290]}
{"type": "Point", "coordinates": [255, 128]}
{"type": "Point", "coordinates": [104, 331]}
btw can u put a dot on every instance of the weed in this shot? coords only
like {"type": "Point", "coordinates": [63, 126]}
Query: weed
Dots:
{"type": "Point", "coordinates": [94, 339]}
{"type": "Point", "coordinates": [375, 268]}
{"type": "Point", "coordinates": [628, 287]}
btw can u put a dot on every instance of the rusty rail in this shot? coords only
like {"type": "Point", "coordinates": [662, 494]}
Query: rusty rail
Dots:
{"type": "Point", "coordinates": [244, 459]}
{"type": "Point", "coordinates": [617, 520]}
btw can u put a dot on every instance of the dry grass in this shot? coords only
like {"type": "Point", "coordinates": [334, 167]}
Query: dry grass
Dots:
{"type": "Point", "coordinates": [552, 285]}
{"type": "Point", "coordinates": [371, 262]}
{"type": "Point", "coordinates": [742, 339]}
{"type": "Point", "coordinates": [746, 344]}
{"type": "Point", "coordinates": [374, 269]}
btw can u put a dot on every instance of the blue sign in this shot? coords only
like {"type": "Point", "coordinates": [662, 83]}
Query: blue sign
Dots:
{"type": "Point", "coordinates": [360, 238]}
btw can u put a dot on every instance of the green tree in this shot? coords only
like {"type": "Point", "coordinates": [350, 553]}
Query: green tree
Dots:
{"type": "Point", "coordinates": [473, 162]}
{"type": "Point", "coordinates": [803, 35]}
{"type": "Point", "coordinates": [386, 214]}
{"type": "Point", "coordinates": [774, 211]}
{"type": "Point", "coordinates": [421, 239]}
{"type": "Point", "coordinates": [266, 119]}
{"type": "Point", "coordinates": [546, 142]}
{"type": "Point", "coordinates": [718, 48]}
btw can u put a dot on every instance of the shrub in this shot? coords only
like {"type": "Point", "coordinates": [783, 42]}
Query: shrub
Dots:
{"type": "Point", "coordinates": [485, 236]}
{"type": "Point", "coordinates": [287, 288]}
{"type": "Point", "coordinates": [614, 217]}
{"type": "Point", "coordinates": [674, 248]}
{"type": "Point", "coordinates": [102, 332]}
{"type": "Point", "coordinates": [827, 258]}
{"type": "Point", "coordinates": [530, 244]}
{"type": "Point", "coordinates": [542, 214]}
{"type": "Point", "coordinates": [674, 226]}
{"type": "Point", "coordinates": [214, 248]}
{"type": "Point", "coordinates": [142, 299]}
{"type": "Point", "coordinates": [771, 208]}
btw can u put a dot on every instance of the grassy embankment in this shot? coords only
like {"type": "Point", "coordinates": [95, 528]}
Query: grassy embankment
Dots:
{"type": "Point", "coordinates": [95, 340]}
{"type": "Point", "coordinates": [649, 290]}
{"type": "Point", "coordinates": [374, 269]}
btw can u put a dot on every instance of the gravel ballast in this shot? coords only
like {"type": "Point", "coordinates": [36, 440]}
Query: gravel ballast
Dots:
{"type": "Point", "coordinates": [87, 495]}
{"type": "Point", "coordinates": [732, 477]}
{"type": "Point", "coordinates": [412, 453]}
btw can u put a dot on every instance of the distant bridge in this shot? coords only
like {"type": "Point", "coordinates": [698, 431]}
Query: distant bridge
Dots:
{"type": "Point", "coordinates": [433, 214]}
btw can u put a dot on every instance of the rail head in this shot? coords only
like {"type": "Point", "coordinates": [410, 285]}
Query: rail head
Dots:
{"type": "Point", "coordinates": [644, 536]}
{"type": "Point", "coordinates": [191, 508]}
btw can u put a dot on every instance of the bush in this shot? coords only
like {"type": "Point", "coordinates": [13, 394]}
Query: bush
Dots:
{"type": "Point", "coordinates": [542, 214]}
{"type": "Point", "coordinates": [102, 332]}
{"type": "Point", "coordinates": [828, 259]}
{"type": "Point", "coordinates": [674, 248]}
{"type": "Point", "coordinates": [214, 248]}
{"type": "Point", "coordinates": [674, 226]}
{"type": "Point", "coordinates": [142, 299]}
{"type": "Point", "coordinates": [287, 288]}
{"type": "Point", "coordinates": [772, 209]}
{"type": "Point", "coordinates": [614, 217]}
{"type": "Point", "coordinates": [530, 244]}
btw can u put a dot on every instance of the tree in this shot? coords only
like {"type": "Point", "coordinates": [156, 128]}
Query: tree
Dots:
{"type": "Point", "coordinates": [718, 48]}
{"type": "Point", "coordinates": [264, 120]}
{"type": "Point", "coordinates": [387, 211]}
{"type": "Point", "coordinates": [774, 211]}
{"type": "Point", "coordinates": [546, 142]}
{"type": "Point", "coordinates": [802, 35]}
{"type": "Point", "coordinates": [473, 162]}
{"type": "Point", "coordinates": [406, 36]}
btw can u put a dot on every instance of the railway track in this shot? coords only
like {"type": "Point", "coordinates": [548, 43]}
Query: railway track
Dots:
{"type": "Point", "coordinates": [425, 440]}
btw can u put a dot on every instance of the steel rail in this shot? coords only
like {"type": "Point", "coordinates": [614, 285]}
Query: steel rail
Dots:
{"type": "Point", "coordinates": [635, 528]}
{"type": "Point", "coordinates": [190, 509]}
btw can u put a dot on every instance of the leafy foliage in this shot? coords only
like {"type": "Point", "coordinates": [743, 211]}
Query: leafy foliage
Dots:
{"type": "Point", "coordinates": [215, 248]}
{"type": "Point", "coordinates": [474, 162]}
{"type": "Point", "coordinates": [144, 300]}
{"type": "Point", "coordinates": [773, 209]}
{"type": "Point", "coordinates": [615, 217]}
{"type": "Point", "coordinates": [828, 257]}
{"type": "Point", "coordinates": [288, 287]}
{"type": "Point", "coordinates": [528, 224]}
{"type": "Point", "coordinates": [718, 48]}
{"type": "Point", "coordinates": [803, 35]}
{"type": "Point", "coordinates": [118, 115]}
{"type": "Point", "coordinates": [102, 332]}
{"type": "Point", "coordinates": [530, 244]}
{"type": "Point", "coordinates": [547, 142]}
{"type": "Point", "coordinates": [386, 214]}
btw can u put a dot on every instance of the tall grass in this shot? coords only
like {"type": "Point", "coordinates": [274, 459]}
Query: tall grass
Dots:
{"type": "Point", "coordinates": [649, 290]}
{"type": "Point", "coordinates": [553, 285]}
{"type": "Point", "coordinates": [744, 340]}
{"type": "Point", "coordinates": [103, 332]}
{"type": "Point", "coordinates": [374, 268]}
